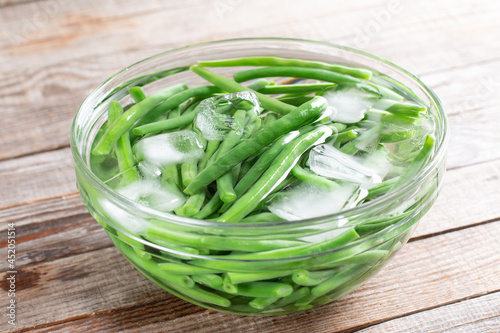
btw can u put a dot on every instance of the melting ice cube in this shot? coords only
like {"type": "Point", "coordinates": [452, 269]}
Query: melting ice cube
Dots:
{"type": "Point", "coordinates": [308, 201]}
{"type": "Point", "coordinates": [214, 118]}
{"type": "Point", "coordinates": [152, 194]}
{"type": "Point", "coordinates": [348, 105]}
{"type": "Point", "coordinates": [149, 193]}
{"type": "Point", "coordinates": [169, 148]}
{"type": "Point", "coordinates": [327, 161]}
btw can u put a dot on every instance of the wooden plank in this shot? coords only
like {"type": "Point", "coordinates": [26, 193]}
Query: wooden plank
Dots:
{"type": "Point", "coordinates": [59, 227]}
{"type": "Point", "coordinates": [46, 78]}
{"type": "Point", "coordinates": [56, 238]}
{"type": "Point", "coordinates": [474, 139]}
{"type": "Point", "coordinates": [37, 177]}
{"type": "Point", "coordinates": [108, 295]}
{"type": "Point", "coordinates": [454, 209]}
{"type": "Point", "coordinates": [480, 314]}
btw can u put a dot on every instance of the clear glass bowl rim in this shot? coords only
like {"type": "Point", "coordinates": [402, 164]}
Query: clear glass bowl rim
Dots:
{"type": "Point", "coordinates": [130, 205]}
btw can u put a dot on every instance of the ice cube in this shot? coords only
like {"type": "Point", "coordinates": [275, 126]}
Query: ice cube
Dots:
{"type": "Point", "coordinates": [152, 194]}
{"type": "Point", "coordinates": [214, 118]}
{"type": "Point", "coordinates": [149, 170]}
{"type": "Point", "coordinates": [348, 105]}
{"type": "Point", "coordinates": [146, 192]}
{"type": "Point", "coordinates": [121, 219]}
{"type": "Point", "coordinates": [169, 148]}
{"type": "Point", "coordinates": [326, 161]}
{"type": "Point", "coordinates": [307, 201]}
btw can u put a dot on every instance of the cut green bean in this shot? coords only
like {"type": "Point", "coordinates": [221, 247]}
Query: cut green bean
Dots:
{"type": "Point", "coordinates": [137, 94]}
{"type": "Point", "coordinates": [308, 279]}
{"type": "Point", "coordinates": [209, 280]}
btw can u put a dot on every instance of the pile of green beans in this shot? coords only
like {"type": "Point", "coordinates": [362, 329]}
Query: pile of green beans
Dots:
{"type": "Point", "coordinates": [256, 162]}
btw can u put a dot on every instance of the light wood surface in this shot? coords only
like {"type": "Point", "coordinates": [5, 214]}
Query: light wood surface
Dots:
{"type": "Point", "coordinates": [70, 276]}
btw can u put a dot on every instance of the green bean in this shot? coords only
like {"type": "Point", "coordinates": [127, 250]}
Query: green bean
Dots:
{"type": "Point", "coordinates": [308, 279]}
{"type": "Point", "coordinates": [210, 151]}
{"type": "Point", "coordinates": [298, 72]}
{"type": "Point", "coordinates": [114, 111]}
{"type": "Point", "coordinates": [170, 175]}
{"type": "Point", "coordinates": [418, 162]}
{"type": "Point", "coordinates": [137, 94]}
{"type": "Point", "coordinates": [237, 277]}
{"type": "Point", "coordinates": [219, 242]}
{"type": "Point", "coordinates": [264, 289]}
{"type": "Point", "coordinates": [403, 109]}
{"type": "Point", "coordinates": [152, 267]}
{"type": "Point", "coordinates": [296, 88]}
{"type": "Point", "coordinates": [168, 124]}
{"type": "Point", "coordinates": [201, 295]}
{"type": "Point", "coordinates": [262, 217]}
{"type": "Point", "coordinates": [176, 112]}
{"type": "Point", "coordinates": [228, 286]}
{"type": "Point", "coordinates": [312, 178]}
{"type": "Point", "coordinates": [282, 253]}
{"type": "Point", "coordinates": [176, 100]}
{"type": "Point", "coordinates": [295, 101]}
{"type": "Point", "coordinates": [381, 188]}
{"type": "Point", "coordinates": [274, 174]}
{"type": "Point", "coordinates": [229, 85]}
{"type": "Point", "coordinates": [192, 205]}
{"type": "Point", "coordinates": [275, 61]}
{"type": "Point", "coordinates": [183, 269]}
{"type": "Point", "coordinates": [261, 303]}
{"type": "Point", "coordinates": [128, 119]}
{"type": "Point", "coordinates": [123, 149]}
{"type": "Point", "coordinates": [209, 280]}
{"type": "Point", "coordinates": [293, 297]}
{"type": "Point", "coordinates": [266, 159]}
{"type": "Point", "coordinates": [334, 282]}
{"type": "Point", "coordinates": [258, 85]}
{"type": "Point", "coordinates": [269, 118]}
{"type": "Point", "coordinates": [296, 119]}
{"type": "Point", "coordinates": [225, 188]}
{"type": "Point", "coordinates": [189, 170]}
{"type": "Point", "coordinates": [211, 207]}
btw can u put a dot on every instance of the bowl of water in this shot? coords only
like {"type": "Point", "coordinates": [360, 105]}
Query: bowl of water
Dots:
{"type": "Point", "coordinates": [260, 176]}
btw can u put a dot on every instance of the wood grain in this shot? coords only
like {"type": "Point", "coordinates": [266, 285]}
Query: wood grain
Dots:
{"type": "Point", "coordinates": [37, 177]}
{"type": "Point", "coordinates": [42, 90]}
{"type": "Point", "coordinates": [425, 274]}
{"type": "Point", "coordinates": [72, 279]}
{"type": "Point", "coordinates": [480, 314]}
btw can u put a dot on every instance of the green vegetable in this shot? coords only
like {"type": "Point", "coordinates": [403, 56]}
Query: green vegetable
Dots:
{"type": "Point", "coordinates": [258, 158]}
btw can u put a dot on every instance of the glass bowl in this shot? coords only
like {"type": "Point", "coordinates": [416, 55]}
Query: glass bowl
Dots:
{"type": "Point", "coordinates": [189, 258]}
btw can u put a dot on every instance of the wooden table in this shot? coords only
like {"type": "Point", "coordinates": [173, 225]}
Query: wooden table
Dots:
{"type": "Point", "coordinates": [70, 278]}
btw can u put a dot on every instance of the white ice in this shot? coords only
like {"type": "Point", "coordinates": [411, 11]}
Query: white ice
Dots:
{"type": "Point", "coordinates": [148, 193]}
{"type": "Point", "coordinates": [169, 148]}
{"type": "Point", "coordinates": [329, 162]}
{"type": "Point", "coordinates": [307, 201]}
{"type": "Point", "coordinates": [347, 105]}
{"type": "Point", "coordinates": [149, 170]}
